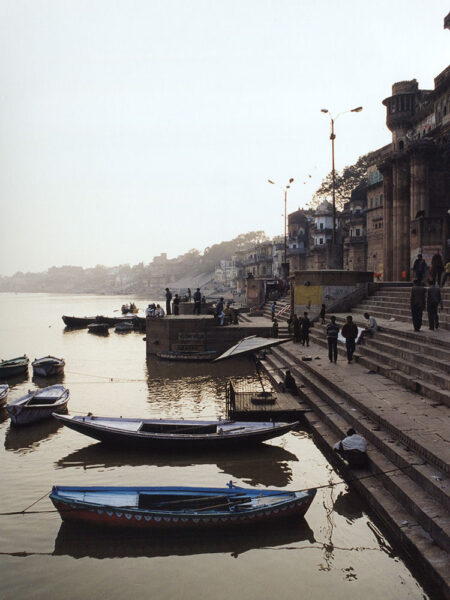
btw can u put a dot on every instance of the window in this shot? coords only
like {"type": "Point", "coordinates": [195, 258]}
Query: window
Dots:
{"type": "Point", "coordinates": [381, 199]}
{"type": "Point", "coordinates": [371, 203]}
{"type": "Point", "coordinates": [320, 241]}
{"type": "Point", "coordinates": [358, 232]}
{"type": "Point", "coordinates": [376, 200]}
{"type": "Point", "coordinates": [321, 226]}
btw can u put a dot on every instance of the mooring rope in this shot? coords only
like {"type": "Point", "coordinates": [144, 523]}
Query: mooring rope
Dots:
{"type": "Point", "coordinates": [330, 485]}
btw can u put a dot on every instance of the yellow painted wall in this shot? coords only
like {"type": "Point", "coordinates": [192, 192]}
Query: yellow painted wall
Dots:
{"type": "Point", "coordinates": [308, 295]}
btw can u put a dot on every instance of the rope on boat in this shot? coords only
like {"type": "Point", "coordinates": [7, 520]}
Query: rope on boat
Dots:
{"type": "Point", "coordinates": [331, 485]}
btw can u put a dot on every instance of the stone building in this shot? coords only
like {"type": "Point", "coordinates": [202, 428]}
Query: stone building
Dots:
{"type": "Point", "coordinates": [416, 175]}
{"type": "Point", "coordinates": [320, 235]}
{"type": "Point", "coordinates": [298, 239]}
{"type": "Point", "coordinates": [353, 226]}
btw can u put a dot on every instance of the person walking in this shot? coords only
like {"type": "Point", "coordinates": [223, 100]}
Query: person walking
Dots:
{"type": "Point", "coordinates": [272, 310]}
{"type": "Point", "coordinates": [168, 299]}
{"type": "Point", "coordinates": [434, 300]}
{"type": "Point", "coordinates": [176, 305]}
{"type": "Point", "coordinates": [437, 267]}
{"type": "Point", "coordinates": [420, 268]}
{"type": "Point", "coordinates": [197, 302]}
{"type": "Point", "coordinates": [332, 339]}
{"type": "Point", "coordinates": [296, 329]}
{"type": "Point", "coordinates": [418, 294]}
{"type": "Point", "coordinates": [305, 325]}
{"type": "Point", "coordinates": [350, 333]}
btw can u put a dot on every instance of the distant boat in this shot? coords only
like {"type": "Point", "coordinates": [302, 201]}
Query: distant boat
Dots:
{"type": "Point", "coordinates": [124, 327]}
{"type": "Point", "coordinates": [174, 434]}
{"type": "Point", "coordinates": [4, 389]}
{"type": "Point", "coordinates": [38, 404]}
{"type": "Point", "coordinates": [178, 507]}
{"type": "Point", "coordinates": [48, 366]}
{"type": "Point", "coordinates": [14, 366]}
{"type": "Point", "coordinates": [99, 328]}
{"type": "Point", "coordinates": [79, 322]}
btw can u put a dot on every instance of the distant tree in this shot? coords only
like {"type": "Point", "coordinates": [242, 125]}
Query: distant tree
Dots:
{"type": "Point", "coordinates": [346, 181]}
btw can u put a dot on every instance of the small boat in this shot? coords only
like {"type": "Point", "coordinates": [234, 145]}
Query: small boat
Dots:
{"type": "Point", "coordinates": [4, 389]}
{"type": "Point", "coordinates": [79, 322]}
{"type": "Point", "coordinates": [14, 366]}
{"type": "Point", "coordinates": [173, 434]}
{"type": "Point", "coordinates": [48, 366]}
{"type": "Point", "coordinates": [124, 327]}
{"type": "Point", "coordinates": [99, 328]}
{"type": "Point", "coordinates": [204, 355]}
{"type": "Point", "coordinates": [38, 404]}
{"type": "Point", "coordinates": [178, 507]}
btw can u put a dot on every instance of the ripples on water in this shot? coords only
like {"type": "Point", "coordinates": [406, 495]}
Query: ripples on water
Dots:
{"type": "Point", "coordinates": [336, 550]}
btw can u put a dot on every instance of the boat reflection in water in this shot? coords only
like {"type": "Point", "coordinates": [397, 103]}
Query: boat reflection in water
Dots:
{"type": "Point", "coordinates": [264, 465]}
{"type": "Point", "coordinates": [26, 439]}
{"type": "Point", "coordinates": [3, 414]}
{"type": "Point", "coordinates": [81, 542]}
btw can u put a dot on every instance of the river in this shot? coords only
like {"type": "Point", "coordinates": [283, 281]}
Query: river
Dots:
{"type": "Point", "coordinates": [337, 551]}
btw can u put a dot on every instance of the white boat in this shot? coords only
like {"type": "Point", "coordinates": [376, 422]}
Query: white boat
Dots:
{"type": "Point", "coordinates": [4, 389]}
{"type": "Point", "coordinates": [38, 404]}
{"type": "Point", "coordinates": [48, 366]}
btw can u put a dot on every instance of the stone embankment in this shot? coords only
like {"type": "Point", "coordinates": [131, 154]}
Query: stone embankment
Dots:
{"type": "Point", "coordinates": [397, 394]}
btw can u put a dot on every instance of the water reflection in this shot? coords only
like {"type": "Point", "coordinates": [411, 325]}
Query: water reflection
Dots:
{"type": "Point", "coordinates": [347, 505]}
{"type": "Point", "coordinates": [24, 439]}
{"type": "Point", "coordinates": [263, 465]}
{"type": "Point", "coordinates": [79, 542]}
{"type": "Point", "coordinates": [16, 380]}
{"type": "Point", "coordinates": [43, 382]}
{"type": "Point", "coordinates": [3, 414]}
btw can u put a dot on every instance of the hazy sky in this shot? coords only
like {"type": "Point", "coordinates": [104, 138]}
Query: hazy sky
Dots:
{"type": "Point", "coordinates": [130, 128]}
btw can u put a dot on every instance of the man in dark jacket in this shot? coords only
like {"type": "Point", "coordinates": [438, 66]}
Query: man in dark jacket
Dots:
{"type": "Point", "coordinates": [168, 299]}
{"type": "Point", "coordinates": [437, 267]}
{"type": "Point", "coordinates": [350, 333]}
{"type": "Point", "coordinates": [305, 325]}
{"type": "Point", "coordinates": [332, 339]}
{"type": "Point", "coordinates": [418, 293]}
{"type": "Point", "coordinates": [296, 328]}
{"type": "Point", "coordinates": [420, 268]}
{"type": "Point", "coordinates": [434, 299]}
{"type": "Point", "coordinates": [197, 301]}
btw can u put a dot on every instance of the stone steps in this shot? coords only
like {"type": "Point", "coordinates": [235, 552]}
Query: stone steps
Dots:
{"type": "Point", "coordinates": [404, 316]}
{"type": "Point", "coordinates": [402, 304]}
{"type": "Point", "coordinates": [414, 485]}
{"type": "Point", "coordinates": [414, 378]}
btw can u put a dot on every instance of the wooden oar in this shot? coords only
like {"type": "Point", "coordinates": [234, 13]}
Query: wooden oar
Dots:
{"type": "Point", "coordinates": [185, 501]}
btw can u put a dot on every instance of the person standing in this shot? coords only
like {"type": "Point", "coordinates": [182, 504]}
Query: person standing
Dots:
{"type": "Point", "coordinates": [434, 299]}
{"type": "Point", "coordinates": [322, 314]}
{"type": "Point", "coordinates": [420, 268]}
{"type": "Point", "coordinates": [418, 293]}
{"type": "Point", "coordinates": [219, 308]}
{"type": "Point", "coordinates": [189, 295]}
{"type": "Point", "coordinates": [272, 310]}
{"type": "Point", "coordinates": [437, 267]}
{"type": "Point", "coordinates": [176, 305]}
{"type": "Point", "coordinates": [350, 333]}
{"type": "Point", "coordinates": [296, 329]}
{"type": "Point", "coordinates": [197, 302]}
{"type": "Point", "coordinates": [168, 299]}
{"type": "Point", "coordinates": [332, 339]}
{"type": "Point", "coordinates": [446, 274]}
{"type": "Point", "coordinates": [305, 325]}
{"type": "Point", "coordinates": [275, 329]}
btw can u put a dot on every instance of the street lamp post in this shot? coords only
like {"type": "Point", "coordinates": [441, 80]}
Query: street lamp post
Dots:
{"type": "Point", "coordinates": [285, 189]}
{"type": "Point", "coordinates": [333, 172]}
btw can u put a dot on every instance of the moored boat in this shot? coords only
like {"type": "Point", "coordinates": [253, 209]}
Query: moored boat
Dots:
{"type": "Point", "coordinates": [174, 434]}
{"type": "Point", "coordinates": [14, 366]}
{"type": "Point", "coordinates": [38, 404]}
{"type": "Point", "coordinates": [4, 389]}
{"type": "Point", "coordinates": [188, 356]}
{"type": "Point", "coordinates": [48, 366]}
{"type": "Point", "coordinates": [79, 322]}
{"type": "Point", "coordinates": [178, 507]}
{"type": "Point", "coordinates": [124, 327]}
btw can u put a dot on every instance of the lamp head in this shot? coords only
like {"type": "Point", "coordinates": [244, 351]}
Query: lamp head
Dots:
{"type": "Point", "coordinates": [359, 109]}
{"type": "Point", "coordinates": [324, 110]}
{"type": "Point", "coordinates": [270, 181]}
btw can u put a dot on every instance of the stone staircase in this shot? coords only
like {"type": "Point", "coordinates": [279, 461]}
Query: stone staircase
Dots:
{"type": "Point", "coordinates": [411, 493]}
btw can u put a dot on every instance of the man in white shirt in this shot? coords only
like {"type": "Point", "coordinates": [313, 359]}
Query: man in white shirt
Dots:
{"type": "Point", "coordinates": [353, 449]}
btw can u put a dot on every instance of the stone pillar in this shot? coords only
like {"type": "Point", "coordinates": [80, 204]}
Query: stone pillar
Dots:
{"type": "Point", "coordinates": [401, 218]}
{"type": "Point", "coordinates": [419, 185]}
{"type": "Point", "coordinates": [386, 170]}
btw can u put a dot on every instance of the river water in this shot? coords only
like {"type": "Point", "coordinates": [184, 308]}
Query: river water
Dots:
{"type": "Point", "coordinates": [336, 551]}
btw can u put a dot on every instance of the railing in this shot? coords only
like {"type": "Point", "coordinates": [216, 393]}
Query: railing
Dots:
{"type": "Point", "coordinates": [284, 311]}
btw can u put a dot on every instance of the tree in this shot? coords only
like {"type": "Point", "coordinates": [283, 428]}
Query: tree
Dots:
{"type": "Point", "coordinates": [345, 182]}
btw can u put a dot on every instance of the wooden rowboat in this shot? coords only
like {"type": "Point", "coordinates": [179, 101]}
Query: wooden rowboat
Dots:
{"type": "Point", "coordinates": [178, 507]}
{"type": "Point", "coordinates": [174, 434]}
{"type": "Point", "coordinates": [48, 366]}
{"type": "Point", "coordinates": [4, 389]}
{"type": "Point", "coordinates": [99, 328]}
{"type": "Point", "coordinates": [38, 404]}
{"type": "Point", "coordinates": [14, 366]}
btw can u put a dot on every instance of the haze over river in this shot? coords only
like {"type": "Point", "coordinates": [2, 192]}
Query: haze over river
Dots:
{"type": "Point", "coordinates": [337, 551]}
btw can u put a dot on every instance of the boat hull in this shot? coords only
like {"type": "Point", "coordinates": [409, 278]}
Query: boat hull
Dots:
{"type": "Point", "coordinates": [172, 441]}
{"type": "Point", "coordinates": [73, 510]}
{"type": "Point", "coordinates": [14, 366]}
{"type": "Point", "coordinates": [48, 367]}
{"type": "Point", "coordinates": [4, 389]}
{"type": "Point", "coordinates": [37, 406]}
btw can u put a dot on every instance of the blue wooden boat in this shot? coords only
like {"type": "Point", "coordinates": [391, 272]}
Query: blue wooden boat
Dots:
{"type": "Point", "coordinates": [14, 366]}
{"type": "Point", "coordinates": [174, 434]}
{"type": "Point", "coordinates": [48, 366]}
{"type": "Point", "coordinates": [38, 404]}
{"type": "Point", "coordinates": [178, 507]}
{"type": "Point", "coordinates": [4, 389]}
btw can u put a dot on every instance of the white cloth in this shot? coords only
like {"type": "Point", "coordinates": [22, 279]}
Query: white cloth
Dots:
{"type": "Point", "coordinates": [373, 325]}
{"type": "Point", "coordinates": [353, 442]}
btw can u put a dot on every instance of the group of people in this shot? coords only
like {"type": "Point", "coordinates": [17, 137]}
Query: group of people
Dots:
{"type": "Point", "coordinates": [173, 302]}
{"type": "Point", "coordinates": [436, 273]}
{"type": "Point", "coordinates": [155, 311]}
{"type": "Point", "coordinates": [422, 297]}
{"type": "Point", "coordinates": [299, 328]}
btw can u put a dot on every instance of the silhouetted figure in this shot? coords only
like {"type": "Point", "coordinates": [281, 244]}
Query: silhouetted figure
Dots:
{"type": "Point", "coordinates": [176, 305]}
{"type": "Point", "coordinates": [168, 299]}
{"type": "Point", "coordinates": [353, 448]}
{"type": "Point", "coordinates": [332, 339]}
{"type": "Point", "coordinates": [197, 302]}
{"type": "Point", "coordinates": [350, 333]}
{"type": "Point", "coordinates": [434, 300]}
{"type": "Point", "coordinates": [418, 293]}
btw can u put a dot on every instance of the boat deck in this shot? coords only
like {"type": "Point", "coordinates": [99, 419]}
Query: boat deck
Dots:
{"type": "Point", "coordinates": [248, 406]}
